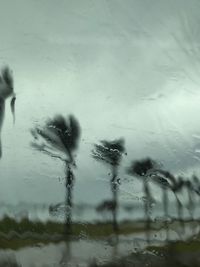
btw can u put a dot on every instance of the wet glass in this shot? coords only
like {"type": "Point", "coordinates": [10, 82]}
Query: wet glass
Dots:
{"type": "Point", "coordinates": [99, 133]}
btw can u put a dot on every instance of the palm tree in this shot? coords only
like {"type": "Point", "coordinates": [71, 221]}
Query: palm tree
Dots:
{"type": "Point", "coordinates": [141, 169]}
{"type": "Point", "coordinates": [149, 170]}
{"type": "Point", "coordinates": [196, 186]}
{"type": "Point", "coordinates": [6, 90]}
{"type": "Point", "coordinates": [193, 188]}
{"type": "Point", "coordinates": [110, 152]}
{"type": "Point", "coordinates": [189, 187]}
{"type": "Point", "coordinates": [106, 206]}
{"type": "Point", "coordinates": [62, 136]}
{"type": "Point", "coordinates": [166, 181]}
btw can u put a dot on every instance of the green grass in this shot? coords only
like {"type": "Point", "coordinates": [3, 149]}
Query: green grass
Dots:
{"type": "Point", "coordinates": [25, 225]}
{"type": "Point", "coordinates": [90, 229]}
{"type": "Point", "coordinates": [177, 247]}
{"type": "Point", "coordinates": [14, 234]}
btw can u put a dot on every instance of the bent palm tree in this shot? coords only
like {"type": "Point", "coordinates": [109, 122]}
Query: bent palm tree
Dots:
{"type": "Point", "coordinates": [6, 90]}
{"type": "Point", "coordinates": [193, 187]}
{"type": "Point", "coordinates": [190, 206]}
{"type": "Point", "coordinates": [60, 135]}
{"type": "Point", "coordinates": [166, 181]}
{"type": "Point", "coordinates": [110, 152]}
{"type": "Point", "coordinates": [177, 188]}
{"type": "Point", "coordinates": [196, 184]}
{"type": "Point", "coordinates": [141, 169]}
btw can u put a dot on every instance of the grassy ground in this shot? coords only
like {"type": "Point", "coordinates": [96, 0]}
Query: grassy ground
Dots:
{"type": "Point", "coordinates": [49, 227]}
{"type": "Point", "coordinates": [14, 234]}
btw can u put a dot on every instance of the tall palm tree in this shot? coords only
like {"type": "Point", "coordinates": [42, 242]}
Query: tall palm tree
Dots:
{"type": "Point", "coordinates": [196, 184]}
{"type": "Point", "coordinates": [193, 188]}
{"type": "Point", "coordinates": [141, 169]}
{"type": "Point", "coordinates": [177, 188]}
{"type": "Point", "coordinates": [189, 187]}
{"type": "Point", "coordinates": [167, 182]}
{"type": "Point", "coordinates": [150, 171]}
{"type": "Point", "coordinates": [6, 90]}
{"type": "Point", "coordinates": [110, 152]}
{"type": "Point", "coordinates": [59, 138]}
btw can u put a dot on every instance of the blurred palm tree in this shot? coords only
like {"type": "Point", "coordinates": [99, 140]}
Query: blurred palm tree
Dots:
{"type": "Point", "coordinates": [164, 180]}
{"type": "Point", "coordinates": [106, 207]}
{"type": "Point", "coordinates": [196, 184]}
{"type": "Point", "coordinates": [177, 189]}
{"type": "Point", "coordinates": [150, 171]}
{"type": "Point", "coordinates": [141, 170]}
{"type": "Point", "coordinates": [6, 90]}
{"type": "Point", "coordinates": [167, 182]}
{"type": "Point", "coordinates": [110, 152]}
{"type": "Point", "coordinates": [190, 192]}
{"type": "Point", "coordinates": [59, 138]}
{"type": "Point", "coordinates": [192, 187]}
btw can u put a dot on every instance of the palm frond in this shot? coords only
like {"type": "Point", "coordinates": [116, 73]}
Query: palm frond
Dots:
{"type": "Point", "coordinates": [59, 134]}
{"type": "Point", "coordinates": [109, 151]}
{"type": "Point", "coordinates": [44, 149]}
{"type": "Point", "coordinates": [51, 138]}
{"type": "Point", "coordinates": [75, 131]}
{"type": "Point", "coordinates": [67, 130]}
{"type": "Point", "coordinates": [7, 76]}
{"type": "Point", "coordinates": [12, 106]}
{"type": "Point", "coordinates": [161, 177]}
{"type": "Point", "coordinates": [141, 167]}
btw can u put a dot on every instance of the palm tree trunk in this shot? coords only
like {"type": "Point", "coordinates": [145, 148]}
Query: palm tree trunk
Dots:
{"type": "Point", "coordinates": [146, 208]}
{"type": "Point", "coordinates": [2, 113]}
{"type": "Point", "coordinates": [114, 189]}
{"type": "Point", "coordinates": [190, 203]}
{"type": "Point", "coordinates": [180, 213]}
{"type": "Point", "coordinates": [165, 204]}
{"type": "Point", "coordinates": [68, 200]}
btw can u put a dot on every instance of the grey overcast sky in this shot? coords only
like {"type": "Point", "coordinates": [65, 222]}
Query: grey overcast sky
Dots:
{"type": "Point", "coordinates": [126, 68]}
